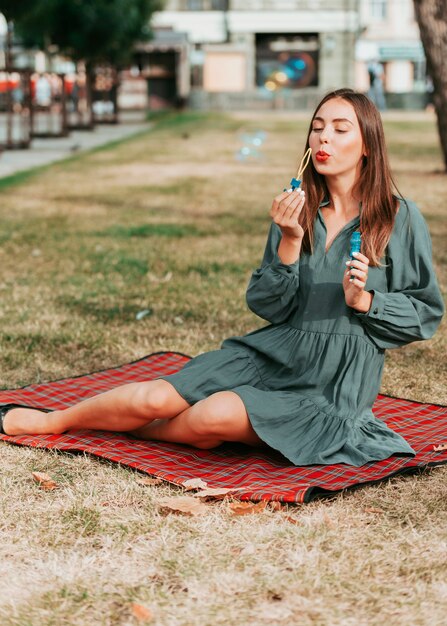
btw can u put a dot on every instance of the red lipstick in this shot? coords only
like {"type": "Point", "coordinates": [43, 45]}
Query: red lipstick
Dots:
{"type": "Point", "coordinates": [322, 156]}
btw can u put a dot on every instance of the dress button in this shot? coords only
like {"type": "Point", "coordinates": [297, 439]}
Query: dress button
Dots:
{"type": "Point", "coordinates": [375, 311]}
{"type": "Point", "coordinates": [288, 270]}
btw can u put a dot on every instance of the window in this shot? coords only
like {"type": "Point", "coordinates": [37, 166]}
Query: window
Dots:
{"type": "Point", "coordinates": [421, 82]}
{"type": "Point", "coordinates": [206, 5]}
{"type": "Point", "coordinates": [378, 9]}
{"type": "Point", "coordinates": [286, 60]}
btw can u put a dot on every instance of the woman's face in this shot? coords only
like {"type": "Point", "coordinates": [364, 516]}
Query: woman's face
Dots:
{"type": "Point", "coordinates": [336, 140]}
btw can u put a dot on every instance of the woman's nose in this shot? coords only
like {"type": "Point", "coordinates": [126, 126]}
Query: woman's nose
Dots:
{"type": "Point", "coordinates": [324, 136]}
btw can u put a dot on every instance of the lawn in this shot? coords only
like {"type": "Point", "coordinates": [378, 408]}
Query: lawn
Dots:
{"type": "Point", "coordinates": [172, 223]}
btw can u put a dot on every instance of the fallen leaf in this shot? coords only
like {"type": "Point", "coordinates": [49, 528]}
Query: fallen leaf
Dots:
{"type": "Point", "coordinates": [184, 504]}
{"type": "Point", "coordinates": [142, 613]}
{"type": "Point", "coordinates": [373, 509]}
{"type": "Point", "coordinates": [149, 481]}
{"type": "Point", "coordinates": [291, 520]}
{"type": "Point", "coordinates": [194, 483]}
{"type": "Point", "coordinates": [216, 494]}
{"type": "Point", "coordinates": [247, 508]}
{"type": "Point", "coordinates": [41, 477]}
{"type": "Point", "coordinates": [440, 448]}
{"type": "Point", "coordinates": [45, 481]}
{"type": "Point", "coordinates": [276, 506]}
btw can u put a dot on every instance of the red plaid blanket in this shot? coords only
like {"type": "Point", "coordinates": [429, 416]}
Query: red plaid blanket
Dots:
{"type": "Point", "coordinates": [254, 474]}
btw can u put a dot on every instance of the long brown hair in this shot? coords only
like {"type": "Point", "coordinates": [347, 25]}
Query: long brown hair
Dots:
{"type": "Point", "coordinates": [375, 186]}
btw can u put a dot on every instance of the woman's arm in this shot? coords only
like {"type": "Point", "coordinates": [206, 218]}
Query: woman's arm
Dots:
{"type": "Point", "coordinates": [272, 291]}
{"type": "Point", "coordinates": [273, 288]}
{"type": "Point", "coordinates": [413, 307]}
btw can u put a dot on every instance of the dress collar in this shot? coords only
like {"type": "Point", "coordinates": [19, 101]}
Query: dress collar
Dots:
{"type": "Point", "coordinates": [325, 202]}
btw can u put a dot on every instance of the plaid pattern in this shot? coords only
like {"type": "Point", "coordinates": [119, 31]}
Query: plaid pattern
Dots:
{"type": "Point", "coordinates": [255, 474]}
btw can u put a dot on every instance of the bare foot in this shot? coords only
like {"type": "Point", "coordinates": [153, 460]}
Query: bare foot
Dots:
{"type": "Point", "coordinates": [30, 422]}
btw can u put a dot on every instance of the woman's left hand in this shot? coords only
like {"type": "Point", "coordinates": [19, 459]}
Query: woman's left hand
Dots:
{"type": "Point", "coordinates": [354, 282]}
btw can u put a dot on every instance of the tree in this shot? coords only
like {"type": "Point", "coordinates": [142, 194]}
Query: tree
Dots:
{"type": "Point", "coordinates": [12, 9]}
{"type": "Point", "coordinates": [88, 30]}
{"type": "Point", "coordinates": [431, 16]}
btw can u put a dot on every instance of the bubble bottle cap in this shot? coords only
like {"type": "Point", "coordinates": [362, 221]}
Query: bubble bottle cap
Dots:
{"type": "Point", "coordinates": [355, 243]}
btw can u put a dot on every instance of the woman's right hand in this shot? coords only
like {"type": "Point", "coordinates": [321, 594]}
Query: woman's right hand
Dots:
{"type": "Point", "coordinates": [285, 212]}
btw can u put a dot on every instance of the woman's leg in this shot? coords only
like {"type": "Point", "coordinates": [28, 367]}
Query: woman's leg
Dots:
{"type": "Point", "coordinates": [121, 409]}
{"type": "Point", "coordinates": [207, 424]}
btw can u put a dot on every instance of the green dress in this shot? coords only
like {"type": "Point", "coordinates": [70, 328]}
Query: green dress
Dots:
{"type": "Point", "coordinates": [309, 379]}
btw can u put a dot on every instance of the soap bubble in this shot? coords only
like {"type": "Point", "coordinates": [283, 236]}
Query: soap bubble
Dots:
{"type": "Point", "coordinates": [251, 144]}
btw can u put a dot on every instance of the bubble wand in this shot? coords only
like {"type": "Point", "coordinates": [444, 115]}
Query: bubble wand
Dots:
{"type": "Point", "coordinates": [296, 181]}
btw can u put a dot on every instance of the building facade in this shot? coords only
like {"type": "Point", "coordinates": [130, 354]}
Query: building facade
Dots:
{"type": "Point", "coordinates": [255, 52]}
{"type": "Point", "coordinates": [389, 35]}
{"type": "Point", "coordinates": [271, 53]}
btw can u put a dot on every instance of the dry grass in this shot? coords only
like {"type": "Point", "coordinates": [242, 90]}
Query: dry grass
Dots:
{"type": "Point", "coordinates": [87, 244]}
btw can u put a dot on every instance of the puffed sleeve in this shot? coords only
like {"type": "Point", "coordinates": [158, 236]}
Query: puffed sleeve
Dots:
{"type": "Point", "coordinates": [412, 308]}
{"type": "Point", "coordinates": [272, 291]}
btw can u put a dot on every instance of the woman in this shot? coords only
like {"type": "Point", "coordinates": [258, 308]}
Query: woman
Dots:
{"type": "Point", "coordinates": [304, 384]}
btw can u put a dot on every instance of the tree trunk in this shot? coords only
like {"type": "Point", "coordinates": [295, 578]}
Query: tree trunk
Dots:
{"type": "Point", "coordinates": [431, 16]}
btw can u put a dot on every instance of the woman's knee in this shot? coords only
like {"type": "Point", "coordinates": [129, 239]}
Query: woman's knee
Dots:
{"type": "Point", "coordinates": [158, 399]}
{"type": "Point", "coordinates": [219, 415]}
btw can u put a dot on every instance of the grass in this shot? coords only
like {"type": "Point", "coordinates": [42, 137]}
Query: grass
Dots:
{"type": "Point", "coordinates": [150, 230]}
{"type": "Point", "coordinates": [171, 222]}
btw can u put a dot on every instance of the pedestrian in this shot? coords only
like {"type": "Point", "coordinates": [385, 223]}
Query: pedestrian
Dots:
{"type": "Point", "coordinates": [376, 81]}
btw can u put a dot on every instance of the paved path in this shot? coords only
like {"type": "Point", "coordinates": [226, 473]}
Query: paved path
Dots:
{"type": "Point", "coordinates": [44, 151]}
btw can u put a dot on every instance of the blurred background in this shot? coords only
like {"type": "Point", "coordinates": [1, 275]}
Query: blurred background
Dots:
{"type": "Point", "coordinates": [72, 64]}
